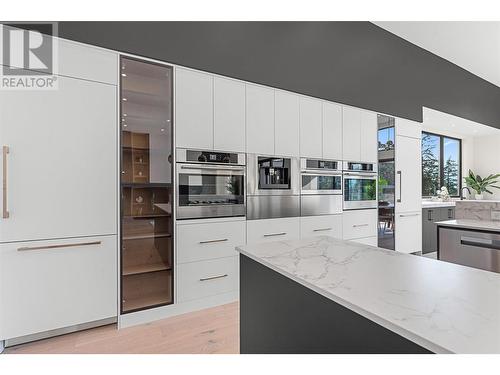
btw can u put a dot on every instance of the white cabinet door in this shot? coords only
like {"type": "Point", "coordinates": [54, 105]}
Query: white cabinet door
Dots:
{"type": "Point", "coordinates": [326, 225]}
{"type": "Point", "coordinates": [311, 128]}
{"type": "Point", "coordinates": [408, 174]}
{"type": "Point", "coordinates": [62, 162]}
{"type": "Point", "coordinates": [269, 230]}
{"type": "Point", "coordinates": [229, 115]}
{"type": "Point", "coordinates": [359, 224]}
{"type": "Point", "coordinates": [369, 137]}
{"type": "Point", "coordinates": [351, 133]}
{"type": "Point", "coordinates": [286, 124]}
{"type": "Point", "coordinates": [205, 241]}
{"type": "Point", "coordinates": [194, 116]}
{"type": "Point", "coordinates": [49, 288]}
{"type": "Point", "coordinates": [207, 278]}
{"type": "Point", "coordinates": [260, 119]}
{"type": "Point", "coordinates": [408, 128]}
{"type": "Point", "coordinates": [332, 131]}
{"type": "Point", "coordinates": [409, 232]}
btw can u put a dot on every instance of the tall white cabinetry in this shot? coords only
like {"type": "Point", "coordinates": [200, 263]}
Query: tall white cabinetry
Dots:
{"type": "Point", "coordinates": [58, 245]}
{"type": "Point", "coordinates": [408, 206]}
{"type": "Point", "coordinates": [286, 127]}
{"type": "Point", "coordinates": [359, 135]}
{"type": "Point", "coordinates": [260, 119]}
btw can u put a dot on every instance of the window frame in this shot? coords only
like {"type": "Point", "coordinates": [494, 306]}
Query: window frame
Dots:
{"type": "Point", "coordinates": [442, 161]}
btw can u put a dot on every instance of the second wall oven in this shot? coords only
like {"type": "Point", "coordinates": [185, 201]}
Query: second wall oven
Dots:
{"type": "Point", "coordinates": [321, 187]}
{"type": "Point", "coordinates": [360, 185]}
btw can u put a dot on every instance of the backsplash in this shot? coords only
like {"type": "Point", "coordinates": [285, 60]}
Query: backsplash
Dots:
{"type": "Point", "coordinates": [477, 210]}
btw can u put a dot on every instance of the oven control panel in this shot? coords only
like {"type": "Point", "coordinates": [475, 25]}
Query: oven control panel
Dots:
{"type": "Point", "coordinates": [209, 157]}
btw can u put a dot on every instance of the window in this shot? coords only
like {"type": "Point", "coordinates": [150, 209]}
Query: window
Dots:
{"type": "Point", "coordinates": [441, 164]}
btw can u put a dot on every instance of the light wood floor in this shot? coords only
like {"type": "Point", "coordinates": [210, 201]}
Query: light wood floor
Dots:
{"type": "Point", "coordinates": [214, 330]}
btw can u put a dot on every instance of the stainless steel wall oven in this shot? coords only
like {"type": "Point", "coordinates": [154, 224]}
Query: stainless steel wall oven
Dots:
{"type": "Point", "coordinates": [321, 187]}
{"type": "Point", "coordinates": [210, 184]}
{"type": "Point", "coordinates": [360, 185]}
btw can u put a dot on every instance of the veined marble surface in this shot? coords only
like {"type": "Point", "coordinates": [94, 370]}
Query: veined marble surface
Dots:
{"type": "Point", "coordinates": [444, 307]}
{"type": "Point", "coordinates": [471, 224]}
{"type": "Point", "coordinates": [476, 210]}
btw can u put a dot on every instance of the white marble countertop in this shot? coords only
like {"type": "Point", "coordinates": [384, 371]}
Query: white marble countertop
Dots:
{"type": "Point", "coordinates": [444, 307]}
{"type": "Point", "coordinates": [431, 204]}
{"type": "Point", "coordinates": [471, 224]}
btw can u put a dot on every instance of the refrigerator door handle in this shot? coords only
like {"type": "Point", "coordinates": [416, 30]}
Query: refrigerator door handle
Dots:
{"type": "Point", "coordinates": [5, 211]}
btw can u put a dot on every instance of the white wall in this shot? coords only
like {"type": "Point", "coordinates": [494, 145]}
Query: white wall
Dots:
{"type": "Point", "coordinates": [487, 159]}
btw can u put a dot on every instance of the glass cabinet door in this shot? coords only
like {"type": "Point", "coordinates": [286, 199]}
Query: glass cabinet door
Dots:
{"type": "Point", "coordinates": [146, 185]}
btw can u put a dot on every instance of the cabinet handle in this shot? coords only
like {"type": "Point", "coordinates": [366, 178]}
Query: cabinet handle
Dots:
{"type": "Point", "coordinates": [359, 225]}
{"type": "Point", "coordinates": [212, 241]}
{"type": "Point", "coordinates": [29, 248]}
{"type": "Point", "coordinates": [322, 229]}
{"type": "Point", "coordinates": [400, 185]}
{"type": "Point", "coordinates": [408, 215]}
{"type": "Point", "coordinates": [429, 215]}
{"type": "Point", "coordinates": [5, 211]}
{"type": "Point", "coordinates": [213, 277]}
{"type": "Point", "coordinates": [274, 234]}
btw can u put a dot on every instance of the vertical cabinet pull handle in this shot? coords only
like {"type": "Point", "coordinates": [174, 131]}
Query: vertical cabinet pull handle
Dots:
{"type": "Point", "coordinates": [429, 215]}
{"type": "Point", "coordinates": [400, 185]}
{"type": "Point", "coordinates": [5, 211]}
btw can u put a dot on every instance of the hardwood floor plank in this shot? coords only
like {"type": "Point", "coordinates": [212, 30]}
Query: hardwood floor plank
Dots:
{"type": "Point", "coordinates": [209, 331]}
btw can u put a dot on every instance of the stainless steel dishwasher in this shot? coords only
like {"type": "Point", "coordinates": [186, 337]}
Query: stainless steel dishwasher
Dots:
{"type": "Point", "coordinates": [470, 248]}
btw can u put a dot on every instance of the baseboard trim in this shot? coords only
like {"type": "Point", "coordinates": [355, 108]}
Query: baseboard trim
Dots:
{"type": "Point", "coordinates": [58, 332]}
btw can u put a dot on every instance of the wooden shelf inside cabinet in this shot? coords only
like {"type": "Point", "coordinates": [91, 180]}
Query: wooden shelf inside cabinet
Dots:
{"type": "Point", "coordinates": [149, 301]}
{"type": "Point", "coordinates": [144, 236]}
{"type": "Point", "coordinates": [152, 216]}
{"type": "Point", "coordinates": [145, 268]}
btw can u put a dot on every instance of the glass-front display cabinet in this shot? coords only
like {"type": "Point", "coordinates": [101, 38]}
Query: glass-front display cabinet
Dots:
{"type": "Point", "coordinates": [146, 185]}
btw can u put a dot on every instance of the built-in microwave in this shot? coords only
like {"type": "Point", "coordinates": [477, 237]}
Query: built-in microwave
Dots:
{"type": "Point", "coordinates": [360, 185]}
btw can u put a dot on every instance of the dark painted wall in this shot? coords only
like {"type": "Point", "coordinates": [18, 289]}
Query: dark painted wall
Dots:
{"type": "Point", "coordinates": [355, 63]}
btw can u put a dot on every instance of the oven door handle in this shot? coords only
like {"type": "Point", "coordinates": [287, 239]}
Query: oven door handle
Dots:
{"type": "Point", "coordinates": [214, 167]}
{"type": "Point", "coordinates": [362, 175]}
{"type": "Point", "coordinates": [317, 173]}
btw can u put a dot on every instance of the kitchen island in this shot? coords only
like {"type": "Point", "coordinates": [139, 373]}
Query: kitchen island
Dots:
{"type": "Point", "coordinates": [323, 295]}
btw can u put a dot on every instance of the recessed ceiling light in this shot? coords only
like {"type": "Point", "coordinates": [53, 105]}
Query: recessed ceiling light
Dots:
{"type": "Point", "coordinates": [124, 125]}
{"type": "Point", "coordinates": [162, 129]}
{"type": "Point", "coordinates": [124, 99]}
{"type": "Point", "coordinates": [168, 120]}
{"type": "Point", "coordinates": [124, 75]}
{"type": "Point", "coordinates": [124, 115]}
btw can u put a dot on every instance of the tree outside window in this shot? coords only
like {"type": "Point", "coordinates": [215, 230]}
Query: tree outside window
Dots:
{"type": "Point", "coordinates": [440, 164]}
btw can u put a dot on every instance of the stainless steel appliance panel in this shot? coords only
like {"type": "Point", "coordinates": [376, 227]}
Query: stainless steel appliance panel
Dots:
{"type": "Point", "coordinates": [470, 248]}
{"type": "Point", "coordinates": [311, 205]}
{"type": "Point", "coordinates": [270, 207]}
{"type": "Point", "coordinates": [253, 177]}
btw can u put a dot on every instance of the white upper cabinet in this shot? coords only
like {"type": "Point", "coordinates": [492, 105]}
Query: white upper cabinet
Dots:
{"type": "Point", "coordinates": [408, 128]}
{"type": "Point", "coordinates": [62, 166]}
{"type": "Point", "coordinates": [351, 134]}
{"type": "Point", "coordinates": [194, 109]}
{"type": "Point", "coordinates": [311, 128]}
{"type": "Point", "coordinates": [332, 131]}
{"type": "Point", "coordinates": [369, 138]}
{"type": "Point", "coordinates": [408, 174]}
{"type": "Point", "coordinates": [260, 119]}
{"type": "Point", "coordinates": [229, 115]}
{"type": "Point", "coordinates": [286, 124]}
{"type": "Point", "coordinates": [359, 135]}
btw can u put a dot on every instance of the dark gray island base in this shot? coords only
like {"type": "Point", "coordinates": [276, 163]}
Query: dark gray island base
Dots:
{"type": "Point", "coordinates": [281, 316]}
